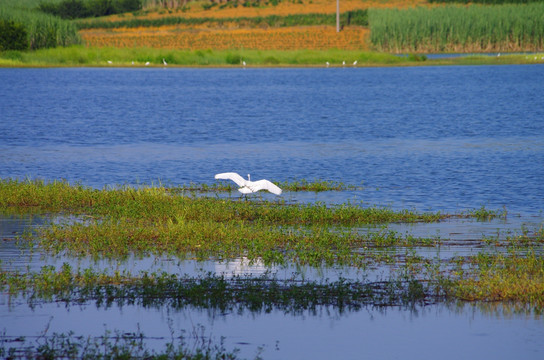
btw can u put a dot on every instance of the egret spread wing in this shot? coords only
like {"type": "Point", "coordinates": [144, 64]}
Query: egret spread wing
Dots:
{"type": "Point", "coordinates": [264, 185]}
{"type": "Point", "coordinates": [240, 181]}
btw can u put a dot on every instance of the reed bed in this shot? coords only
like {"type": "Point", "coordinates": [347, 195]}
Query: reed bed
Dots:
{"type": "Point", "coordinates": [458, 29]}
{"type": "Point", "coordinates": [43, 31]}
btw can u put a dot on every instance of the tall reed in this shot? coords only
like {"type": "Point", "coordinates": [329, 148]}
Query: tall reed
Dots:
{"type": "Point", "coordinates": [44, 31]}
{"type": "Point", "coordinates": [456, 28]}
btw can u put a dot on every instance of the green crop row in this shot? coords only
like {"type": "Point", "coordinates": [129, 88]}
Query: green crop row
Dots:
{"type": "Point", "coordinates": [356, 17]}
{"type": "Point", "coordinates": [456, 28]}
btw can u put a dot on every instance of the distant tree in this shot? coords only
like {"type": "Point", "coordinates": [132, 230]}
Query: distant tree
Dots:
{"type": "Point", "coordinates": [13, 36]}
{"type": "Point", "coordinates": [76, 9]}
{"type": "Point", "coordinates": [122, 6]}
{"type": "Point", "coordinates": [66, 9]}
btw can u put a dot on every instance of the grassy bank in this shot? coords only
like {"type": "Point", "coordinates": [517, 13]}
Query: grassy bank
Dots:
{"type": "Point", "coordinates": [88, 56]}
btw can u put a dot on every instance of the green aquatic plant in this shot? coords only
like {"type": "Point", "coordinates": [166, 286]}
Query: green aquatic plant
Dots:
{"type": "Point", "coordinates": [517, 276]}
{"type": "Point", "coordinates": [114, 345]}
{"type": "Point", "coordinates": [208, 291]}
{"type": "Point", "coordinates": [484, 214]}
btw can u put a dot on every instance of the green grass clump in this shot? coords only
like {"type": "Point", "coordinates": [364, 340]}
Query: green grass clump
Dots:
{"type": "Point", "coordinates": [457, 28]}
{"type": "Point", "coordinates": [515, 276]}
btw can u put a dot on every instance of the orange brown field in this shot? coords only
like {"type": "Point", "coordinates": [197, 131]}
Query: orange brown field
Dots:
{"type": "Point", "coordinates": [234, 35]}
{"type": "Point", "coordinates": [290, 38]}
{"type": "Point", "coordinates": [195, 9]}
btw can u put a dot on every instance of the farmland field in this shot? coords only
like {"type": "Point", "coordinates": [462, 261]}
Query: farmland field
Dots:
{"type": "Point", "coordinates": [399, 26]}
{"type": "Point", "coordinates": [291, 38]}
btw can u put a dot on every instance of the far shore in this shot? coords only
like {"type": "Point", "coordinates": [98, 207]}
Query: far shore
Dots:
{"type": "Point", "coordinates": [81, 56]}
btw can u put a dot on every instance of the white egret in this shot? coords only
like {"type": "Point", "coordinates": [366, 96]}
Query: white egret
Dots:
{"type": "Point", "coordinates": [328, 64]}
{"type": "Point", "coordinates": [147, 63]}
{"type": "Point", "coordinates": [248, 186]}
{"type": "Point", "coordinates": [355, 63]}
{"type": "Point", "coordinates": [164, 62]}
{"type": "Point", "coordinates": [343, 63]}
{"type": "Point", "coordinates": [244, 63]}
{"type": "Point", "coordinates": [110, 62]}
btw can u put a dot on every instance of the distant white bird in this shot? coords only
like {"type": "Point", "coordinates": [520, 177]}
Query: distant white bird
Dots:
{"type": "Point", "coordinates": [147, 63]}
{"type": "Point", "coordinates": [328, 64]}
{"type": "Point", "coordinates": [244, 63]}
{"type": "Point", "coordinates": [133, 63]}
{"type": "Point", "coordinates": [355, 63]}
{"type": "Point", "coordinates": [248, 186]}
{"type": "Point", "coordinates": [343, 63]}
{"type": "Point", "coordinates": [164, 62]}
{"type": "Point", "coordinates": [110, 62]}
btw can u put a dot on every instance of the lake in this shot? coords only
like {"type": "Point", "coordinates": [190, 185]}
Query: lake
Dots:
{"type": "Point", "coordinates": [426, 138]}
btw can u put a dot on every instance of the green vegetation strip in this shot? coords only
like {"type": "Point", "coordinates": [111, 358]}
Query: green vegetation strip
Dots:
{"type": "Point", "coordinates": [87, 56]}
{"type": "Point", "coordinates": [458, 28]}
{"type": "Point", "coordinates": [513, 277]}
{"type": "Point", "coordinates": [239, 294]}
{"type": "Point", "coordinates": [120, 222]}
{"type": "Point", "coordinates": [356, 17]}
{"type": "Point", "coordinates": [114, 345]}
{"type": "Point", "coordinates": [316, 185]}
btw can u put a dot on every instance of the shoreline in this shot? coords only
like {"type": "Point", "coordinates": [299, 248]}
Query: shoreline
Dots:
{"type": "Point", "coordinates": [107, 57]}
{"type": "Point", "coordinates": [443, 61]}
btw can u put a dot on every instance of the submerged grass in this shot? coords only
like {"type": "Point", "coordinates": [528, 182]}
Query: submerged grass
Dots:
{"type": "Point", "coordinates": [261, 294]}
{"type": "Point", "coordinates": [117, 222]}
{"type": "Point", "coordinates": [114, 345]}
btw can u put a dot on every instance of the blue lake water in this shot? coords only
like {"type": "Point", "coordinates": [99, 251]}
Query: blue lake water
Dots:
{"type": "Point", "coordinates": [430, 138]}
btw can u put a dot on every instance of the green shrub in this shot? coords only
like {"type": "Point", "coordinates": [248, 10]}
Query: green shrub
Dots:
{"type": "Point", "coordinates": [77, 9]}
{"type": "Point", "coordinates": [271, 60]}
{"type": "Point", "coordinates": [13, 36]}
{"type": "Point", "coordinates": [233, 59]}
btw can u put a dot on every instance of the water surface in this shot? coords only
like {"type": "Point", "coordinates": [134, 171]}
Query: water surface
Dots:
{"type": "Point", "coordinates": [428, 138]}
